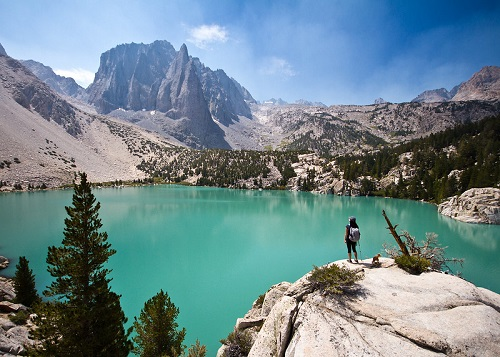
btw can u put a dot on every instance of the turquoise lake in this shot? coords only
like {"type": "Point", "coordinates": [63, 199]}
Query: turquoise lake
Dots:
{"type": "Point", "coordinates": [216, 250]}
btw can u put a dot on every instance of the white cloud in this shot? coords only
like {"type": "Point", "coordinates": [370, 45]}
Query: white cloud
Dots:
{"type": "Point", "coordinates": [80, 75]}
{"type": "Point", "coordinates": [204, 35]}
{"type": "Point", "coordinates": [277, 66]}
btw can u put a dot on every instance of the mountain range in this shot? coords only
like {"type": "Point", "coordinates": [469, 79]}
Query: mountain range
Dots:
{"type": "Point", "coordinates": [146, 98]}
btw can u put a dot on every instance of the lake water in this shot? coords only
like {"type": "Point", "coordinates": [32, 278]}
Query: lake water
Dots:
{"type": "Point", "coordinates": [216, 250]}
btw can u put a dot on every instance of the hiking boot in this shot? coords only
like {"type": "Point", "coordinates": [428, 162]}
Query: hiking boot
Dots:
{"type": "Point", "coordinates": [356, 261]}
{"type": "Point", "coordinates": [349, 260]}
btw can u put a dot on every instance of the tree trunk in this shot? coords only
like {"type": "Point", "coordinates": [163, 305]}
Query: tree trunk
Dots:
{"type": "Point", "coordinates": [392, 229]}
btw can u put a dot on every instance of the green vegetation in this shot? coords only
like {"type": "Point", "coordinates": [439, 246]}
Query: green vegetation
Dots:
{"type": "Point", "coordinates": [24, 284]}
{"type": "Point", "coordinates": [197, 350]}
{"type": "Point", "coordinates": [413, 264]}
{"type": "Point", "coordinates": [20, 317]}
{"type": "Point", "coordinates": [415, 257]}
{"type": "Point", "coordinates": [332, 279]}
{"type": "Point", "coordinates": [83, 317]}
{"type": "Point", "coordinates": [238, 343]}
{"type": "Point", "coordinates": [223, 168]}
{"type": "Point", "coordinates": [442, 165]}
{"type": "Point", "coordinates": [156, 328]}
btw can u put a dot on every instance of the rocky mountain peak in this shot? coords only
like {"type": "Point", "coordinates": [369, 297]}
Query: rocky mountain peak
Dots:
{"type": "Point", "coordinates": [35, 96]}
{"type": "Point", "coordinates": [433, 96]}
{"type": "Point", "coordinates": [155, 77]}
{"type": "Point", "coordinates": [2, 51]}
{"type": "Point", "coordinates": [379, 101]}
{"type": "Point", "coordinates": [62, 85]}
{"type": "Point", "coordinates": [183, 53]}
{"type": "Point", "coordinates": [483, 85]}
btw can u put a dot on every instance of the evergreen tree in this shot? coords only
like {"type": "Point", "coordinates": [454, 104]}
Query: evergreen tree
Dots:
{"type": "Point", "coordinates": [156, 328]}
{"type": "Point", "coordinates": [24, 284]}
{"type": "Point", "coordinates": [84, 318]}
{"type": "Point", "coordinates": [197, 350]}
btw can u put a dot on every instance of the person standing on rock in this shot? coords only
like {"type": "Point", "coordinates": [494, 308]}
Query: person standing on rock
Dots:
{"type": "Point", "coordinates": [351, 238]}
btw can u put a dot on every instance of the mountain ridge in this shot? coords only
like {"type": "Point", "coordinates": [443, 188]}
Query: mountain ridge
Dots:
{"type": "Point", "coordinates": [187, 89]}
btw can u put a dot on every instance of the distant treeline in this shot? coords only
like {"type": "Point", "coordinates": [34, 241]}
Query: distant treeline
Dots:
{"type": "Point", "coordinates": [224, 168]}
{"type": "Point", "coordinates": [443, 164]}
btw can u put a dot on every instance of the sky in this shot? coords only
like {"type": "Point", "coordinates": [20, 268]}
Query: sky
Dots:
{"type": "Point", "coordinates": [329, 51]}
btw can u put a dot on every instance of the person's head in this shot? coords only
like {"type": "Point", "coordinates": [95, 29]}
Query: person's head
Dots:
{"type": "Point", "coordinates": [352, 222]}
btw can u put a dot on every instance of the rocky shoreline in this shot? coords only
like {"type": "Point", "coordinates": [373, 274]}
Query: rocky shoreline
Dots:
{"type": "Point", "coordinates": [392, 313]}
{"type": "Point", "coordinates": [477, 205]}
{"type": "Point", "coordinates": [13, 338]}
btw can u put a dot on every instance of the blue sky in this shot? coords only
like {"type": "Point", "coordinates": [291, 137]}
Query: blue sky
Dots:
{"type": "Point", "coordinates": [333, 51]}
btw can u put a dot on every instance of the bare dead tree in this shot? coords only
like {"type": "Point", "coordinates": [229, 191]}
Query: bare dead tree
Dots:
{"type": "Point", "coordinates": [396, 236]}
{"type": "Point", "coordinates": [428, 249]}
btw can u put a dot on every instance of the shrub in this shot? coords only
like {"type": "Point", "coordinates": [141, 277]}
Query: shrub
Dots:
{"type": "Point", "coordinates": [259, 301]}
{"type": "Point", "coordinates": [332, 279]}
{"type": "Point", "coordinates": [239, 344]}
{"type": "Point", "coordinates": [416, 257]}
{"type": "Point", "coordinates": [20, 317]}
{"type": "Point", "coordinates": [413, 264]}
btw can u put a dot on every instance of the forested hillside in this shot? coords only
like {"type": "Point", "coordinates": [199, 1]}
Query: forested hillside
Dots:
{"type": "Point", "coordinates": [430, 169]}
{"type": "Point", "coordinates": [223, 168]}
{"type": "Point", "coordinates": [435, 167]}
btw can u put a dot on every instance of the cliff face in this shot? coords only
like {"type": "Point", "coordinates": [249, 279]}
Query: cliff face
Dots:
{"type": "Point", "coordinates": [391, 313]}
{"type": "Point", "coordinates": [155, 77]}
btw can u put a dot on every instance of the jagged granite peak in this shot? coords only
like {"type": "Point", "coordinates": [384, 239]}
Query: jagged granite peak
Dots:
{"type": "Point", "coordinates": [244, 92]}
{"type": "Point", "coordinates": [155, 77]}
{"type": "Point", "coordinates": [379, 101]}
{"type": "Point", "coordinates": [181, 98]}
{"type": "Point", "coordinates": [180, 93]}
{"type": "Point", "coordinates": [62, 85]}
{"type": "Point", "coordinates": [224, 96]}
{"type": "Point", "coordinates": [129, 76]}
{"type": "Point", "coordinates": [483, 85]}
{"type": "Point", "coordinates": [2, 51]}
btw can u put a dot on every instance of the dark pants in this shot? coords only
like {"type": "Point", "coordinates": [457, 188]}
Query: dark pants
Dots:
{"type": "Point", "coordinates": [351, 245]}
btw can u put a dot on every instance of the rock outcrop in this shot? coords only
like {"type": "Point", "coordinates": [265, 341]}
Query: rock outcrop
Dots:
{"type": "Point", "coordinates": [391, 313]}
{"type": "Point", "coordinates": [477, 205]}
{"type": "Point", "coordinates": [13, 338]}
{"type": "Point", "coordinates": [483, 85]}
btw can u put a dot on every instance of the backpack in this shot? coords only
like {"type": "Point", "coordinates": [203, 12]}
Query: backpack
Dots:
{"type": "Point", "coordinates": [354, 234]}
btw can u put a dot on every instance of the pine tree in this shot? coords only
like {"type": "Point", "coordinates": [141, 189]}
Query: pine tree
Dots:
{"type": "Point", "coordinates": [156, 328]}
{"type": "Point", "coordinates": [197, 350]}
{"type": "Point", "coordinates": [84, 318]}
{"type": "Point", "coordinates": [24, 284]}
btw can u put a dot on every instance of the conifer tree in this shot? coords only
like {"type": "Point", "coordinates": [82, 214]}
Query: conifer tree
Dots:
{"type": "Point", "coordinates": [24, 284]}
{"type": "Point", "coordinates": [156, 328]}
{"type": "Point", "coordinates": [84, 317]}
